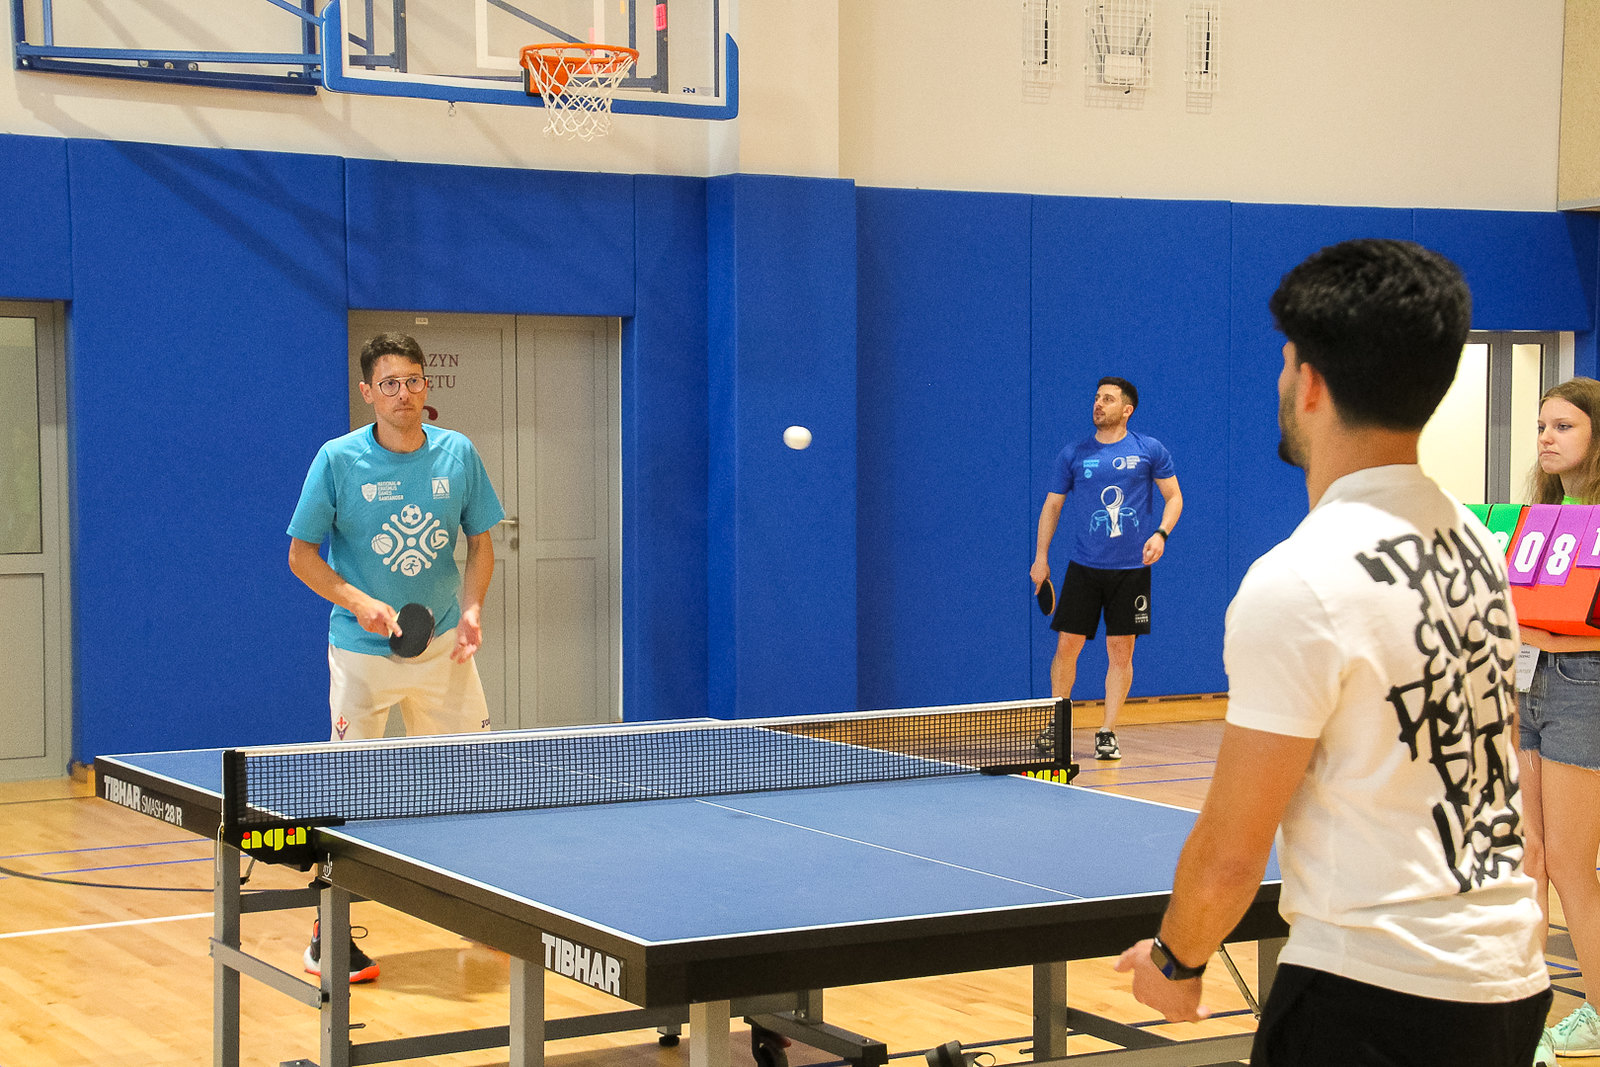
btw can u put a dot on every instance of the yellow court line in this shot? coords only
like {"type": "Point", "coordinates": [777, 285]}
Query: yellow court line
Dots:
{"type": "Point", "coordinates": [108, 926]}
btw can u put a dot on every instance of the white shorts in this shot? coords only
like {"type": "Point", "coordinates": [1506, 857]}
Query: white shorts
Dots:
{"type": "Point", "coordinates": [436, 695]}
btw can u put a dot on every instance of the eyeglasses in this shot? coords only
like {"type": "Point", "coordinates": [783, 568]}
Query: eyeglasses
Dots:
{"type": "Point", "coordinates": [391, 386]}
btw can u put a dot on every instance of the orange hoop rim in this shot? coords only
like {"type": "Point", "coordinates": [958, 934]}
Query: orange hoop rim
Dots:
{"type": "Point", "coordinates": [553, 54]}
{"type": "Point", "coordinates": [593, 70]}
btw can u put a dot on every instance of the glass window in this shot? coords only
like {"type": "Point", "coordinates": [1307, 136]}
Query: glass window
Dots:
{"type": "Point", "coordinates": [20, 530]}
{"type": "Point", "coordinates": [1452, 450]}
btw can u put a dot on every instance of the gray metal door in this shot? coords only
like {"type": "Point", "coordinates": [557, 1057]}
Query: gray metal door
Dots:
{"type": "Point", "coordinates": [539, 398]}
{"type": "Point", "coordinates": [570, 518]}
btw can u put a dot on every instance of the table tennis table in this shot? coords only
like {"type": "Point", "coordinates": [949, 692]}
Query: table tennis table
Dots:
{"type": "Point", "coordinates": [747, 901]}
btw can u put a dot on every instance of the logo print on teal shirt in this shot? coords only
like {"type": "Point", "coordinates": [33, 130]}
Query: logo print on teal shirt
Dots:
{"type": "Point", "coordinates": [411, 541]}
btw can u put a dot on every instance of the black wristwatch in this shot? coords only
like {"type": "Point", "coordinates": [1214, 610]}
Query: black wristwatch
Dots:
{"type": "Point", "coordinates": [1163, 533]}
{"type": "Point", "coordinates": [1168, 964]}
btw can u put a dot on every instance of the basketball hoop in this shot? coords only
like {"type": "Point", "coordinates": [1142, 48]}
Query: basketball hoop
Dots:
{"type": "Point", "coordinates": [577, 82]}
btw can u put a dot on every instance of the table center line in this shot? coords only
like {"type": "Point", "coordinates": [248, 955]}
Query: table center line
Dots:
{"type": "Point", "coordinates": [883, 848]}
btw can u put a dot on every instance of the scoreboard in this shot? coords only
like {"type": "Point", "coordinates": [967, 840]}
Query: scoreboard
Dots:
{"type": "Point", "coordinates": [1553, 559]}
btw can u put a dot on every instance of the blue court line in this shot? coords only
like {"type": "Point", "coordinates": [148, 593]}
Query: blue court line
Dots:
{"type": "Point", "coordinates": [100, 848]}
{"type": "Point", "coordinates": [129, 866]}
{"type": "Point", "coordinates": [119, 867]}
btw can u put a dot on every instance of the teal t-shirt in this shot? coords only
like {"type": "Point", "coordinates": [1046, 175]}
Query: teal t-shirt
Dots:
{"type": "Point", "coordinates": [391, 520]}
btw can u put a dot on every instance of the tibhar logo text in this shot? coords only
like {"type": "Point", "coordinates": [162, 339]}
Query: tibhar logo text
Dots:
{"type": "Point", "coordinates": [131, 796]}
{"type": "Point", "coordinates": [589, 966]}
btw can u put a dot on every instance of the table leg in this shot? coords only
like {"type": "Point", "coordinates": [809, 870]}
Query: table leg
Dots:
{"type": "Point", "coordinates": [334, 918]}
{"type": "Point", "coordinates": [527, 1013]}
{"type": "Point", "coordinates": [224, 979]}
{"type": "Point", "coordinates": [1050, 1025]}
{"type": "Point", "coordinates": [808, 1005]}
{"type": "Point", "coordinates": [709, 1042]}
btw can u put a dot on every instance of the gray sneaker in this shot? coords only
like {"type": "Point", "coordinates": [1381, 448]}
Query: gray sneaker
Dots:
{"type": "Point", "coordinates": [362, 967]}
{"type": "Point", "coordinates": [1105, 745]}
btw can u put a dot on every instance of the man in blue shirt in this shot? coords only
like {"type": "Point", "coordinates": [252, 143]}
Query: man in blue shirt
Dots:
{"type": "Point", "coordinates": [391, 499]}
{"type": "Point", "coordinates": [1107, 485]}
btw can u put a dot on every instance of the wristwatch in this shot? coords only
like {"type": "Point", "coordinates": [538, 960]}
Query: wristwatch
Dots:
{"type": "Point", "coordinates": [1168, 964]}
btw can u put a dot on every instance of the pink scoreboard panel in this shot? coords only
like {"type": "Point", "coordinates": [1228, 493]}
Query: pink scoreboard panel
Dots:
{"type": "Point", "coordinates": [1553, 558]}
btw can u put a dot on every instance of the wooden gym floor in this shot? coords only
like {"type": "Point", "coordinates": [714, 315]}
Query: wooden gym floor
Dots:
{"type": "Point", "coordinates": [94, 975]}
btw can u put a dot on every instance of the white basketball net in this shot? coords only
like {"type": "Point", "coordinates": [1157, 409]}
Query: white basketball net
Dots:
{"type": "Point", "coordinates": [577, 83]}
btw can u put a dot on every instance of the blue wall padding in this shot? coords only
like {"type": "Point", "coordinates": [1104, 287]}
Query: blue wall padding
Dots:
{"type": "Point", "coordinates": [664, 457]}
{"type": "Point", "coordinates": [1139, 289]}
{"type": "Point", "coordinates": [1268, 497]}
{"type": "Point", "coordinates": [942, 347]}
{"type": "Point", "coordinates": [782, 626]}
{"type": "Point", "coordinates": [1523, 267]}
{"type": "Point", "coordinates": [35, 258]}
{"type": "Point", "coordinates": [476, 239]}
{"type": "Point", "coordinates": [1583, 228]}
{"type": "Point", "coordinates": [943, 485]}
{"type": "Point", "coordinates": [1494, 248]}
{"type": "Point", "coordinates": [208, 308]}
{"type": "Point", "coordinates": [430, 237]}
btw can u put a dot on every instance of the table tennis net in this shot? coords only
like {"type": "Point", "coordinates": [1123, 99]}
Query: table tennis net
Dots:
{"type": "Point", "coordinates": [526, 770]}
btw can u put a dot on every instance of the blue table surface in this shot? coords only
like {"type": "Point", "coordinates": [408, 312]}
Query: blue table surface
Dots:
{"type": "Point", "coordinates": [668, 870]}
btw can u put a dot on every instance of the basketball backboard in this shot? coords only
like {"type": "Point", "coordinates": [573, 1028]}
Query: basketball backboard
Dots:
{"type": "Point", "coordinates": [453, 50]}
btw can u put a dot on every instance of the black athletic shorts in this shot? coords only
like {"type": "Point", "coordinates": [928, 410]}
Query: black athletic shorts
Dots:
{"type": "Point", "coordinates": [1124, 596]}
{"type": "Point", "coordinates": [1316, 1019]}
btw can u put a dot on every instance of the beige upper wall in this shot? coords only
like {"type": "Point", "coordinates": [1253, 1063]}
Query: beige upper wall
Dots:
{"type": "Point", "coordinates": [1449, 103]}
{"type": "Point", "coordinates": [1426, 102]}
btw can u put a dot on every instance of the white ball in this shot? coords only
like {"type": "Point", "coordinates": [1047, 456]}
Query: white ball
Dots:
{"type": "Point", "coordinates": [797, 437]}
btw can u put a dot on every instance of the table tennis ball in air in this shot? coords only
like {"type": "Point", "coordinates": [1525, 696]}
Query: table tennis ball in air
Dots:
{"type": "Point", "coordinates": [797, 437]}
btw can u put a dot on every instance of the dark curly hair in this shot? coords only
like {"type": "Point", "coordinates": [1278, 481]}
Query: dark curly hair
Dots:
{"type": "Point", "coordinates": [1383, 322]}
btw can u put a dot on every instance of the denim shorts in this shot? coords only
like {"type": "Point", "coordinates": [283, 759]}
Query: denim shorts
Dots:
{"type": "Point", "coordinates": [1559, 716]}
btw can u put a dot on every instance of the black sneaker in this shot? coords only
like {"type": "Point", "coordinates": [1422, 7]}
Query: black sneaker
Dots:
{"type": "Point", "coordinates": [362, 967]}
{"type": "Point", "coordinates": [1105, 745]}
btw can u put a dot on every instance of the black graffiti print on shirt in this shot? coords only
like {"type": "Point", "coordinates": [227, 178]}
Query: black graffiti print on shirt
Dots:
{"type": "Point", "coordinates": [1458, 714]}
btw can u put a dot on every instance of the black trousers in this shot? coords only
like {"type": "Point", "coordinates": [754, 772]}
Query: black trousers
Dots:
{"type": "Point", "coordinates": [1316, 1019]}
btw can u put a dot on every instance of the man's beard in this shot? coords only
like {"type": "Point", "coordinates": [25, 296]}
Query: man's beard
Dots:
{"type": "Point", "coordinates": [1291, 449]}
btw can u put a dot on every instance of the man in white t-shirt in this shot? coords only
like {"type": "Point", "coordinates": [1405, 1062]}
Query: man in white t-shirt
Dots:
{"type": "Point", "coordinates": [1370, 659]}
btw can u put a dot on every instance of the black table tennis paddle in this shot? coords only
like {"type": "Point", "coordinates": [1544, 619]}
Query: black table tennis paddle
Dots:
{"type": "Point", "coordinates": [416, 630]}
{"type": "Point", "coordinates": [1046, 594]}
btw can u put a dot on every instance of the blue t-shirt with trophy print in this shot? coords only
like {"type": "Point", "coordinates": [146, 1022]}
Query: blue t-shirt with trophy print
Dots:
{"type": "Point", "coordinates": [1112, 505]}
{"type": "Point", "coordinates": [391, 520]}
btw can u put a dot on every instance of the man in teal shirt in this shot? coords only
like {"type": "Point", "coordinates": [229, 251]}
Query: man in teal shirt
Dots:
{"type": "Point", "coordinates": [391, 499]}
